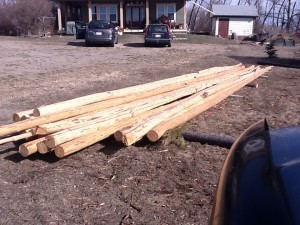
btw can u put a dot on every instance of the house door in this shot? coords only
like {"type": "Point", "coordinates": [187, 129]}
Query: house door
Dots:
{"type": "Point", "coordinates": [134, 16]}
{"type": "Point", "coordinates": [223, 27]}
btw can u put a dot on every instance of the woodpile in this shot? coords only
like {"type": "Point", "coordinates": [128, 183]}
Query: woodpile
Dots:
{"type": "Point", "coordinates": [129, 113]}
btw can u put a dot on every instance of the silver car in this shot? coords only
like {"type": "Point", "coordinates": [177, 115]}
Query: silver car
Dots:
{"type": "Point", "coordinates": [101, 32]}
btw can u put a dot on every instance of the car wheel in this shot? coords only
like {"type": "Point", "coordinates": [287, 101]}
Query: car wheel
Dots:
{"type": "Point", "coordinates": [169, 45]}
{"type": "Point", "coordinates": [87, 43]}
{"type": "Point", "coordinates": [146, 44]}
{"type": "Point", "coordinates": [112, 44]}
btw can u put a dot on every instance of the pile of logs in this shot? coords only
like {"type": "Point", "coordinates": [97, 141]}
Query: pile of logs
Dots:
{"type": "Point", "coordinates": [129, 113]}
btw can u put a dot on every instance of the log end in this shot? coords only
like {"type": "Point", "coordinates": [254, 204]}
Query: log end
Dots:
{"type": "Point", "coordinates": [118, 135]}
{"type": "Point", "coordinates": [50, 142]}
{"type": "Point", "coordinates": [16, 117]}
{"type": "Point", "coordinates": [43, 148]}
{"type": "Point", "coordinates": [40, 131]}
{"type": "Point", "coordinates": [24, 151]}
{"type": "Point", "coordinates": [59, 151]}
{"type": "Point", "coordinates": [36, 112]}
{"type": "Point", "coordinates": [152, 136]}
{"type": "Point", "coordinates": [128, 139]}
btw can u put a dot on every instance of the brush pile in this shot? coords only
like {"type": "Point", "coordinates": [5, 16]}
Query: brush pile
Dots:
{"type": "Point", "coordinates": [129, 113]}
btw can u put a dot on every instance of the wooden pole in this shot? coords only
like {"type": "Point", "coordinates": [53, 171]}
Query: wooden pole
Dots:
{"type": "Point", "coordinates": [156, 132]}
{"type": "Point", "coordinates": [16, 137]}
{"type": "Point", "coordinates": [43, 148]}
{"type": "Point", "coordinates": [17, 116]}
{"type": "Point", "coordinates": [30, 147]}
{"type": "Point", "coordinates": [81, 142]}
{"type": "Point", "coordinates": [138, 130]}
{"type": "Point", "coordinates": [58, 138]}
{"type": "Point", "coordinates": [135, 90]}
{"type": "Point", "coordinates": [29, 124]}
{"type": "Point", "coordinates": [136, 107]}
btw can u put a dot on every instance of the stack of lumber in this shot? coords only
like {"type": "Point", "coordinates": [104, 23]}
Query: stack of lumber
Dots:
{"type": "Point", "coordinates": [129, 113]}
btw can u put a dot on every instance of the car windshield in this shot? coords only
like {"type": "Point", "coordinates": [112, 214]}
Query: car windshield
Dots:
{"type": "Point", "coordinates": [158, 28]}
{"type": "Point", "coordinates": [99, 25]}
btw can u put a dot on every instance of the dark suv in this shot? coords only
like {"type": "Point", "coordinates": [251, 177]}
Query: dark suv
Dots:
{"type": "Point", "coordinates": [158, 34]}
{"type": "Point", "coordinates": [101, 32]}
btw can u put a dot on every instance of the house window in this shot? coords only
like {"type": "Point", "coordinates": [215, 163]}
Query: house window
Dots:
{"type": "Point", "coordinates": [105, 12]}
{"type": "Point", "coordinates": [168, 10]}
{"type": "Point", "coordinates": [94, 13]}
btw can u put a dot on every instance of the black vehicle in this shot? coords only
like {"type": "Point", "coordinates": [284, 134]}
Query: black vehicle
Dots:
{"type": "Point", "coordinates": [80, 29]}
{"type": "Point", "coordinates": [101, 32]}
{"type": "Point", "coordinates": [259, 182]}
{"type": "Point", "coordinates": [158, 34]}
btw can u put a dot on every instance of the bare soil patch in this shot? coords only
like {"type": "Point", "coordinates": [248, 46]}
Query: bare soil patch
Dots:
{"type": "Point", "coordinates": [146, 183]}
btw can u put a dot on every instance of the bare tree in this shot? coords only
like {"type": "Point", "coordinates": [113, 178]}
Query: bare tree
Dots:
{"type": "Point", "coordinates": [24, 15]}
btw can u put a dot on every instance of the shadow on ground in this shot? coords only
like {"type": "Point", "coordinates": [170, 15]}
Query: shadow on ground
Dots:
{"type": "Point", "coordinates": [276, 61]}
{"type": "Point", "coordinates": [76, 43]}
{"type": "Point", "coordinates": [134, 45]}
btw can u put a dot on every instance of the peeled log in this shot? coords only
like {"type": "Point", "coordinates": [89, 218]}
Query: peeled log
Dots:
{"type": "Point", "coordinates": [134, 108]}
{"type": "Point", "coordinates": [81, 142]}
{"type": "Point", "coordinates": [17, 116]}
{"type": "Point", "coordinates": [33, 122]}
{"type": "Point", "coordinates": [157, 132]}
{"type": "Point", "coordinates": [55, 139]}
{"type": "Point", "coordinates": [16, 137]}
{"type": "Point", "coordinates": [43, 148]}
{"type": "Point", "coordinates": [130, 109]}
{"type": "Point", "coordinates": [138, 130]}
{"type": "Point", "coordinates": [30, 147]}
{"type": "Point", "coordinates": [135, 90]}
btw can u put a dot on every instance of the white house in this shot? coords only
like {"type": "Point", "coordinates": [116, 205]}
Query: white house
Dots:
{"type": "Point", "coordinates": [228, 19]}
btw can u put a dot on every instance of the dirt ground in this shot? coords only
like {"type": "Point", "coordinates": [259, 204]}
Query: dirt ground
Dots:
{"type": "Point", "coordinates": [146, 183]}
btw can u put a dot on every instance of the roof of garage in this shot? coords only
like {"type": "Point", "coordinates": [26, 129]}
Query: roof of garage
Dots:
{"type": "Point", "coordinates": [235, 10]}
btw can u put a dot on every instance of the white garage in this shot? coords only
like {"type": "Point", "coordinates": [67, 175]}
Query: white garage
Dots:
{"type": "Point", "coordinates": [228, 19]}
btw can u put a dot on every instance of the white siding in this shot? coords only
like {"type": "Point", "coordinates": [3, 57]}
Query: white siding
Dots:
{"type": "Point", "coordinates": [241, 26]}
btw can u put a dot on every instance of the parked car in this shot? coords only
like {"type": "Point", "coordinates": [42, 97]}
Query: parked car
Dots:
{"type": "Point", "coordinates": [80, 29]}
{"type": "Point", "coordinates": [158, 34]}
{"type": "Point", "coordinates": [259, 182]}
{"type": "Point", "coordinates": [101, 32]}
